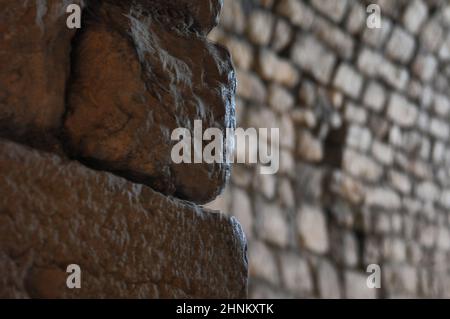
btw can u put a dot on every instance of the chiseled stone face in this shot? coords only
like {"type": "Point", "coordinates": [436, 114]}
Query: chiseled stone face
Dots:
{"type": "Point", "coordinates": [139, 72]}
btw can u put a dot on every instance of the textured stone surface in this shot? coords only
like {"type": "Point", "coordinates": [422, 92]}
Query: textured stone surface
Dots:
{"type": "Point", "coordinates": [33, 37]}
{"type": "Point", "coordinates": [128, 240]}
{"type": "Point", "coordinates": [137, 76]}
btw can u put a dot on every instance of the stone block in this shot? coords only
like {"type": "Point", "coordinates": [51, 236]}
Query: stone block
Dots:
{"type": "Point", "coordinates": [130, 241]}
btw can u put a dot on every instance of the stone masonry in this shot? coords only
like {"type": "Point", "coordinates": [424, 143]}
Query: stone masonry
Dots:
{"type": "Point", "coordinates": [86, 176]}
{"type": "Point", "coordinates": [365, 154]}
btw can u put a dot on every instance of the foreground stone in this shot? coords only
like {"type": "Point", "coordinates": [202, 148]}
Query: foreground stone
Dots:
{"type": "Point", "coordinates": [128, 240]}
{"type": "Point", "coordinates": [111, 93]}
{"type": "Point", "coordinates": [139, 73]}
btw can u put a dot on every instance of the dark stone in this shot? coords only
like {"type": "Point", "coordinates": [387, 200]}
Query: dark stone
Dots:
{"type": "Point", "coordinates": [128, 240]}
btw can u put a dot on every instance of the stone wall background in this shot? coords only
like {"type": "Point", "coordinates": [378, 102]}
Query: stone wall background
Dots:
{"type": "Point", "coordinates": [365, 155]}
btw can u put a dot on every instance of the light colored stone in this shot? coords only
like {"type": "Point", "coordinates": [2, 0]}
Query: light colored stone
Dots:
{"type": "Point", "coordinates": [356, 19]}
{"type": "Point", "coordinates": [400, 182]}
{"type": "Point", "coordinates": [361, 166]}
{"type": "Point", "coordinates": [305, 118]}
{"type": "Point", "coordinates": [250, 86]}
{"type": "Point", "coordinates": [377, 37]}
{"type": "Point", "coordinates": [401, 46]}
{"type": "Point", "coordinates": [445, 198]}
{"type": "Point", "coordinates": [356, 286]}
{"type": "Point", "coordinates": [271, 224]}
{"type": "Point", "coordinates": [266, 184]}
{"type": "Point", "coordinates": [443, 239]}
{"type": "Point", "coordinates": [425, 67]}
{"type": "Point", "coordinates": [383, 153]}
{"type": "Point", "coordinates": [401, 111]}
{"type": "Point", "coordinates": [339, 41]}
{"type": "Point", "coordinates": [415, 15]}
{"type": "Point", "coordinates": [241, 176]}
{"type": "Point", "coordinates": [312, 229]}
{"type": "Point", "coordinates": [439, 129]}
{"type": "Point", "coordinates": [233, 17]}
{"type": "Point", "coordinates": [241, 52]}
{"type": "Point", "coordinates": [441, 105]}
{"type": "Point", "coordinates": [369, 62]}
{"type": "Point", "coordinates": [262, 263]}
{"type": "Point", "coordinates": [221, 203]}
{"type": "Point", "coordinates": [287, 132]}
{"type": "Point", "coordinates": [328, 281]}
{"type": "Point", "coordinates": [397, 223]}
{"type": "Point", "coordinates": [314, 58]}
{"type": "Point", "coordinates": [347, 187]}
{"type": "Point", "coordinates": [359, 137]}
{"type": "Point", "coordinates": [280, 99]}
{"type": "Point", "coordinates": [241, 208]}
{"type": "Point", "coordinates": [277, 69]}
{"type": "Point", "coordinates": [427, 191]}
{"type": "Point", "coordinates": [375, 96]}
{"type": "Point", "coordinates": [382, 197]}
{"type": "Point", "coordinates": [399, 280]}
{"type": "Point", "coordinates": [438, 152]}
{"type": "Point", "coordinates": [444, 51]}
{"type": "Point", "coordinates": [282, 35]}
{"type": "Point", "coordinates": [396, 76]}
{"type": "Point", "coordinates": [427, 234]}
{"type": "Point", "coordinates": [297, 12]}
{"type": "Point", "coordinates": [355, 113]}
{"type": "Point", "coordinates": [286, 193]}
{"type": "Point", "coordinates": [287, 164]}
{"type": "Point", "coordinates": [382, 224]}
{"type": "Point", "coordinates": [296, 274]}
{"type": "Point", "coordinates": [394, 249]}
{"type": "Point", "coordinates": [432, 35]}
{"type": "Point", "coordinates": [260, 25]}
{"type": "Point", "coordinates": [349, 250]}
{"type": "Point", "coordinates": [334, 9]}
{"type": "Point", "coordinates": [348, 80]}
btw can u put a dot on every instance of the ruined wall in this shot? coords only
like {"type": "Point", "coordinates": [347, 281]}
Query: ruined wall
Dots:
{"type": "Point", "coordinates": [365, 158]}
{"type": "Point", "coordinates": [86, 175]}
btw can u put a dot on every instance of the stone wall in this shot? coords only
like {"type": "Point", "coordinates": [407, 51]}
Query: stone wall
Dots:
{"type": "Point", "coordinates": [365, 157]}
{"type": "Point", "coordinates": [86, 176]}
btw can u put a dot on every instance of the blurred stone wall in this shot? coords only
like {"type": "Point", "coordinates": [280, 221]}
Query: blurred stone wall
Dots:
{"type": "Point", "coordinates": [363, 115]}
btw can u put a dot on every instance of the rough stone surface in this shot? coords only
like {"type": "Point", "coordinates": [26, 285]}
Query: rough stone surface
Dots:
{"type": "Point", "coordinates": [128, 240]}
{"type": "Point", "coordinates": [33, 37]}
{"type": "Point", "coordinates": [109, 95]}
{"type": "Point", "coordinates": [135, 80]}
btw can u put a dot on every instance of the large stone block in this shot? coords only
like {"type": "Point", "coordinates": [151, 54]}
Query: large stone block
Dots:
{"type": "Point", "coordinates": [128, 240]}
{"type": "Point", "coordinates": [139, 73]}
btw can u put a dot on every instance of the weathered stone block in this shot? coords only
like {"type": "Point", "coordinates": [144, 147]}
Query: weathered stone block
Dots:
{"type": "Point", "coordinates": [135, 80]}
{"type": "Point", "coordinates": [128, 240]}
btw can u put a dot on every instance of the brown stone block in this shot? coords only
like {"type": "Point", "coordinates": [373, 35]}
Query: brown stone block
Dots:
{"type": "Point", "coordinates": [129, 240]}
